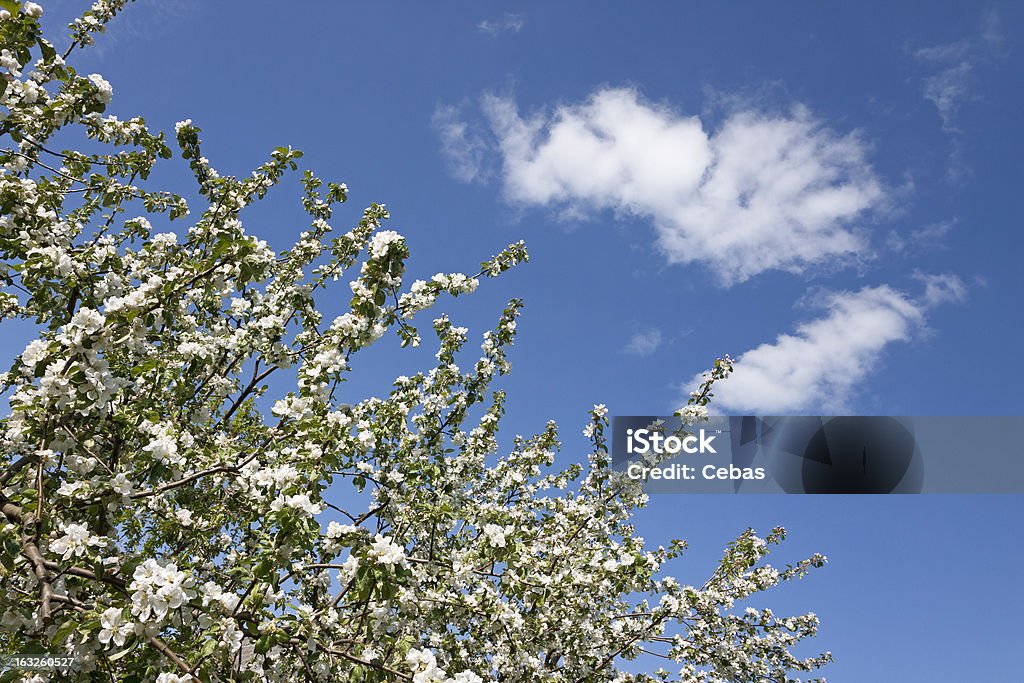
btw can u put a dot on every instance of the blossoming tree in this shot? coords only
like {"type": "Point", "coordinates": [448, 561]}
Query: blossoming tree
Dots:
{"type": "Point", "coordinates": [158, 525]}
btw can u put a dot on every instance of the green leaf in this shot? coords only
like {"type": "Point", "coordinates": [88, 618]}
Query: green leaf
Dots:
{"type": "Point", "coordinates": [118, 655]}
{"type": "Point", "coordinates": [48, 52]}
{"type": "Point", "coordinates": [263, 644]}
{"type": "Point", "coordinates": [145, 367]}
{"type": "Point", "coordinates": [222, 247]}
{"type": "Point", "coordinates": [209, 647]}
{"type": "Point", "coordinates": [63, 631]}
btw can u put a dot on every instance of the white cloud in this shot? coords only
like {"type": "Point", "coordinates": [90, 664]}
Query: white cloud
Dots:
{"type": "Point", "coordinates": [134, 29]}
{"type": "Point", "coordinates": [819, 367]}
{"type": "Point", "coordinates": [992, 29]}
{"type": "Point", "coordinates": [946, 90]}
{"type": "Point", "coordinates": [949, 86]}
{"type": "Point", "coordinates": [941, 288]}
{"type": "Point", "coordinates": [761, 192]}
{"type": "Point", "coordinates": [507, 23]}
{"type": "Point", "coordinates": [463, 148]}
{"type": "Point", "coordinates": [931, 236]}
{"type": "Point", "coordinates": [644, 342]}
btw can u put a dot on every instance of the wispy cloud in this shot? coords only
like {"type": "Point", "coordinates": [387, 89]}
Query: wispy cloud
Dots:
{"type": "Point", "coordinates": [507, 23]}
{"type": "Point", "coordinates": [463, 148]}
{"type": "Point", "coordinates": [759, 192]}
{"type": "Point", "coordinates": [129, 28]}
{"type": "Point", "coordinates": [952, 67]}
{"type": "Point", "coordinates": [931, 236]}
{"type": "Point", "coordinates": [644, 342]}
{"type": "Point", "coordinates": [941, 288]}
{"type": "Point", "coordinates": [947, 89]}
{"type": "Point", "coordinates": [820, 366]}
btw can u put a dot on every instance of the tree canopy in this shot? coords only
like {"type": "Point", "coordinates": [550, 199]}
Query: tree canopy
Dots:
{"type": "Point", "coordinates": [160, 524]}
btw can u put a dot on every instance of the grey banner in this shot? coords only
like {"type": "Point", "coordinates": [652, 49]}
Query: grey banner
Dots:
{"type": "Point", "coordinates": [823, 454]}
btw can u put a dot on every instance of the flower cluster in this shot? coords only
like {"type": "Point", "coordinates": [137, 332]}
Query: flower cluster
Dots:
{"type": "Point", "coordinates": [159, 522]}
{"type": "Point", "coordinates": [158, 588]}
{"type": "Point", "coordinates": [113, 627]}
{"type": "Point", "coordinates": [385, 551]}
{"type": "Point", "coordinates": [75, 541]}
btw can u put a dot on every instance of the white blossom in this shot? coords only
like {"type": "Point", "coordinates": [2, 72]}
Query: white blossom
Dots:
{"type": "Point", "coordinates": [495, 535]}
{"type": "Point", "coordinates": [34, 352]}
{"type": "Point", "coordinates": [157, 588]}
{"type": "Point", "coordinates": [385, 551]}
{"type": "Point", "coordinates": [114, 628]}
{"type": "Point", "coordinates": [382, 241]}
{"type": "Point", "coordinates": [75, 541]}
{"type": "Point", "coordinates": [104, 92]}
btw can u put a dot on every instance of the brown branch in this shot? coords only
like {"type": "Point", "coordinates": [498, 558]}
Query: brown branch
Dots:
{"type": "Point", "coordinates": [31, 552]}
{"type": "Point", "coordinates": [13, 469]}
{"type": "Point", "coordinates": [162, 647]}
{"type": "Point", "coordinates": [192, 477]}
{"type": "Point", "coordinates": [14, 515]}
{"type": "Point", "coordinates": [357, 660]}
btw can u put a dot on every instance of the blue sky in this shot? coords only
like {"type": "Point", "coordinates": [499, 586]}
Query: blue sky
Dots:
{"type": "Point", "coordinates": [828, 192]}
{"type": "Point", "coordinates": [887, 251]}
